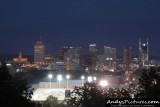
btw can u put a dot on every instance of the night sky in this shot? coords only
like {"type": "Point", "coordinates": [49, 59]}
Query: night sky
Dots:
{"type": "Point", "coordinates": [118, 23]}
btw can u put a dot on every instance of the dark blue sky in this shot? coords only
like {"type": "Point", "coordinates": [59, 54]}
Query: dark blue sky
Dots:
{"type": "Point", "coordinates": [118, 23]}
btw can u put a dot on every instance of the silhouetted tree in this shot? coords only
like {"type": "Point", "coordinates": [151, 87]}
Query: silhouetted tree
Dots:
{"type": "Point", "coordinates": [87, 96]}
{"type": "Point", "coordinates": [93, 95]}
{"type": "Point", "coordinates": [14, 92]}
{"type": "Point", "coordinates": [149, 84]}
{"type": "Point", "coordinates": [117, 93]}
{"type": "Point", "coordinates": [51, 102]}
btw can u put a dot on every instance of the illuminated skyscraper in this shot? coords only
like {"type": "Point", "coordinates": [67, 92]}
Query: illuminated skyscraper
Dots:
{"type": "Point", "coordinates": [39, 52]}
{"type": "Point", "coordinates": [143, 52]}
{"type": "Point", "coordinates": [93, 48]}
{"type": "Point", "coordinates": [93, 53]}
{"type": "Point", "coordinates": [74, 54]}
{"type": "Point", "coordinates": [71, 54]}
{"type": "Point", "coordinates": [110, 53]}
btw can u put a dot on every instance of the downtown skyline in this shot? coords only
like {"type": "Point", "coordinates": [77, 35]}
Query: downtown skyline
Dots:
{"type": "Point", "coordinates": [118, 24]}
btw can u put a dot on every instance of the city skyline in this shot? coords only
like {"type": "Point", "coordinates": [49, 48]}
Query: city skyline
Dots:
{"type": "Point", "coordinates": [118, 24]}
{"type": "Point", "coordinates": [100, 50]}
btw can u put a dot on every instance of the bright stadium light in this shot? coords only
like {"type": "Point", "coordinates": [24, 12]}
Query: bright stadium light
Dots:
{"type": "Point", "coordinates": [82, 77]}
{"type": "Point", "coordinates": [90, 79]}
{"type": "Point", "coordinates": [94, 78]}
{"type": "Point", "coordinates": [50, 76]}
{"type": "Point", "coordinates": [103, 83]}
{"type": "Point", "coordinates": [68, 76]}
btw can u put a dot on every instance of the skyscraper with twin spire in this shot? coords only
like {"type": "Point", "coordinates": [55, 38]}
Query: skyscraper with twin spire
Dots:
{"type": "Point", "coordinates": [143, 52]}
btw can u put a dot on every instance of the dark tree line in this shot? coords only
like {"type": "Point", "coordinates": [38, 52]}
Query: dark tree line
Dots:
{"type": "Point", "coordinates": [149, 84]}
{"type": "Point", "coordinates": [92, 95]}
{"type": "Point", "coordinates": [14, 92]}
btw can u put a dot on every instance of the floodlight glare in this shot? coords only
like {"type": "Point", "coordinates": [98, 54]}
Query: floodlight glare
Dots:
{"type": "Point", "coordinates": [103, 83]}
{"type": "Point", "coordinates": [94, 78]}
{"type": "Point", "coordinates": [68, 76]}
{"type": "Point", "coordinates": [90, 79]}
{"type": "Point", "coordinates": [50, 76]}
{"type": "Point", "coordinates": [59, 77]}
{"type": "Point", "coordinates": [82, 77]}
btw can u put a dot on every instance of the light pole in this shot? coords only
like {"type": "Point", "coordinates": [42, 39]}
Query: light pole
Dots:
{"type": "Point", "coordinates": [82, 77]}
{"type": "Point", "coordinates": [59, 77]}
{"type": "Point", "coordinates": [50, 76]}
{"type": "Point", "coordinates": [68, 77]}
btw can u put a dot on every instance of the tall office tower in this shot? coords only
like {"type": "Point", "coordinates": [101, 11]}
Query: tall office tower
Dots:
{"type": "Point", "coordinates": [114, 54]}
{"type": "Point", "coordinates": [110, 54]}
{"type": "Point", "coordinates": [74, 54]}
{"type": "Point", "coordinates": [127, 57]}
{"type": "Point", "coordinates": [93, 48]}
{"type": "Point", "coordinates": [93, 53]}
{"type": "Point", "coordinates": [143, 52]}
{"type": "Point", "coordinates": [62, 52]}
{"type": "Point", "coordinates": [39, 52]}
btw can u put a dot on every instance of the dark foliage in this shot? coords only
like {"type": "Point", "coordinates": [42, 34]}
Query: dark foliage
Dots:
{"type": "Point", "coordinates": [51, 102]}
{"type": "Point", "coordinates": [149, 84]}
{"type": "Point", "coordinates": [93, 95]}
{"type": "Point", "coordinates": [14, 92]}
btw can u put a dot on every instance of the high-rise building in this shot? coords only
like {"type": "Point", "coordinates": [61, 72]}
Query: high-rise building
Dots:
{"type": "Point", "coordinates": [93, 54]}
{"type": "Point", "coordinates": [39, 52]}
{"type": "Point", "coordinates": [110, 53]}
{"type": "Point", "coordinates": [74, 53]}
{"type": "Point", "coordinates": [71, 54]}
{"type": "Point", "coordinates": [62, 52]}
{"type": "Point", "coordinates": [127, 57]}
{"type": "Point", "coordinates": [93, 48]}
{"type": "Point", "coordinates": [143, 52]}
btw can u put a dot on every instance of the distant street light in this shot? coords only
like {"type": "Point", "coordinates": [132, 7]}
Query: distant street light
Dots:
{"type": "Point", "coordinates": [82, 77]}
{"type": "Point", "coordinates": [59, 77]}
{"type": "Point", "coordinates": [68, 77]}
{"type": "Point", "coordinates": [50, 76]}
